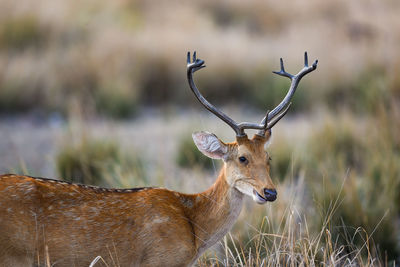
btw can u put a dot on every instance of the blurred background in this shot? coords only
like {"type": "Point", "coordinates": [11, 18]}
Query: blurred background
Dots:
{"type": "Point", "coordinates": [95, 92]}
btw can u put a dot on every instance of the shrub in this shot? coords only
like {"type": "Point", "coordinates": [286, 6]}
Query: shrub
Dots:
{"type": "Point", "coordinates": [98, 163]}
{"type": "Point", "coordinates": [13, 101]}
{"type": "Point", "coordinates": [21, 32]}
{"type": "Point", "coordinates": [189, 156]}
{"type": "Point", "coordinates": [116, 102]}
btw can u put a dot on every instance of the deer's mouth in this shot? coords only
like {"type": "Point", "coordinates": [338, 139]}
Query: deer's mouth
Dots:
{"type": "Point", "coordinates": [269, 195]}
{"type": "Point", "coordinates": [258, 198]}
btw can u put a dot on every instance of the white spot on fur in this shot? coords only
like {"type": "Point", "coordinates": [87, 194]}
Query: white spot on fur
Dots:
{"type": "Point", "coordinates": [160, 219]}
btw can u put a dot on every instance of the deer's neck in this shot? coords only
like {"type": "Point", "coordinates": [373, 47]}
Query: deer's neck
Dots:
{"type": "Point", "coordinates": [214, 212]}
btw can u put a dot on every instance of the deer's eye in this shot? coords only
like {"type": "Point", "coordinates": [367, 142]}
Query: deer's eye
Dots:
{"type": "Point", "coordinates": [243, 159]}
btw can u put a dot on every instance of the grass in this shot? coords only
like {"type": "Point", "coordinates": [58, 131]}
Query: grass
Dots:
{"type": "Point", "coordinates": [338, 187]}
{"type": "Point", "coordinates": [100, 163]}
{"type": "Point", "coordinates": [338, 199]}
{"type": "Point", "coordinates": [338, 196]}
{"type": "Point", "coordinates": [188, 156]}
{"type": "Point", "coordinates": [291, 243]}
{"type": "Point", "coordinates": [21, 32]}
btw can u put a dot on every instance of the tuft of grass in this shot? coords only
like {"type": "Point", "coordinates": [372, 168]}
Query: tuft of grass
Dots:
{"type": "Point", "coordinates": [287, 237]}
{"type": "Point", "coordinates": [11, 100]}
{"type": "Point", "coordinates": [85, 163]}
{"type": "Point", "coordinates": [188, 156]}
{"type": "Point", "coordinates": [99, 163]}
{"type": "Point", "coordinates": [21, 32]}
{"type": "Point", "coordinates": [116, 102]}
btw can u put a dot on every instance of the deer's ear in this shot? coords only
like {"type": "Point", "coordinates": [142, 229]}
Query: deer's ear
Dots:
{"type": "Point", "coordinates": [210, 145]}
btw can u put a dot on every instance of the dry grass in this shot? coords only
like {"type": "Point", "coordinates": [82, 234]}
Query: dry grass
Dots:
{"type": "Point", "coordinates": [285, 237]}
{"type": "Point", "coordinates": [66, 62]}
{"type": "Point", "coordinates": [338, 195]}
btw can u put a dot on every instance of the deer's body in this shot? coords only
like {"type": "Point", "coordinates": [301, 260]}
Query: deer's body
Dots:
{"type": "Point", "coordinates": [131, 227]}
{"type": "Point", "coordinates": [44, 221]}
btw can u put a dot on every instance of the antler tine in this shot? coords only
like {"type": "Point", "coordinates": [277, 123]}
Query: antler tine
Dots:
{"type": "Point", "coordinates": [193, 67]}
{"type": "Point", "coordinates": [282, 72]}
{"type": "Point", "coordinates": [293, 86]}
{"type": "Point", "coordinates": [305, 59]}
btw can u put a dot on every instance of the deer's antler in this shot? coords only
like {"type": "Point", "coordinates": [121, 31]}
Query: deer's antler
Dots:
{"type": "Point", "coordinates": [282, 108]}
{"type": "Point", "coordinates": [270, 119]}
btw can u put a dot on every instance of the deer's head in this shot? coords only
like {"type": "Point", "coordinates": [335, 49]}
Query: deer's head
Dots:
{"type": "Point", "coordinates": [246, 163]}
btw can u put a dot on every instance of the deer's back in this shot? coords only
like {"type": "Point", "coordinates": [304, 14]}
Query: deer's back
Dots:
{"type": "Point", "coordinates": [126, 227]}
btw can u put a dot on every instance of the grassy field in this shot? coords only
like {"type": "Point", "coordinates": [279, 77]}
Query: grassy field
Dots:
{"type": "Point", "coordinates": [338, 182]}
{"type": "Point", "coordinates": [96, 92]}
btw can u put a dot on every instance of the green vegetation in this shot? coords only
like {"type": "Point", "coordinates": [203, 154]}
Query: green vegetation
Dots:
{"type": "Point", "coordinates": [286, 241]}
{"type": "Point", "coordinates": [346, 178]}
{"type": "Point", "coordinates": [18, 33]}
{"type": "Point", "coordinates": [364, 93]}
{"type": "Point", "coordinates": [116, 102]}
{"type": "Point", "coordinates": [99, 163]}
{"type": "Point", "coordinates": [190, 157]}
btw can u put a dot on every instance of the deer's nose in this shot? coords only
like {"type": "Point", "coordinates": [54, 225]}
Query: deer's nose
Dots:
{"type": "Point", "coordinates": [270, 194]}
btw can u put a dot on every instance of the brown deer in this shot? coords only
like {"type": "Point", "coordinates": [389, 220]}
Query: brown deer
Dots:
{"type": "Point", "coordinates": [46, 221]}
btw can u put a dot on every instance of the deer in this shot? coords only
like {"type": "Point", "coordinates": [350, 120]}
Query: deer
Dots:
{"type": "Point", "coordinates": [47, 222]}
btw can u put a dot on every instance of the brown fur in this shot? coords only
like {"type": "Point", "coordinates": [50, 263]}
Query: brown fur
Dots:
{"type": "Point", "coordinates": [144, 227]}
